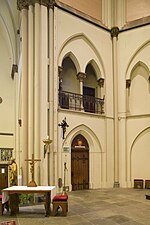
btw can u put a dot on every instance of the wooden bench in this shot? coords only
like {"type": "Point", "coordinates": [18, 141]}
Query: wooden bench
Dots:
{"type": "Point", "coordinates": [147, 184]}
{"type": "Point", "coordinates": [138, 183]}
{"type": "Point", "coordinates": [60, 201]}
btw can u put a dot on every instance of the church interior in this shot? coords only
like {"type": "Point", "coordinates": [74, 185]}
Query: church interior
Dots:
{"type": "Point", "coordinates": [75, 93]}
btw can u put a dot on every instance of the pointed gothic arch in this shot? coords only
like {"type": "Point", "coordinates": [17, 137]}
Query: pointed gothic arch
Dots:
{"type": "Point", "coordinates": [96, 68]}
{"type": "Point", "coordinates": [131, 63]}
{"type": "Point", "coordinates": [139, 78]}
{"type": "Point", "coordinates": [74, 60]}
{"type": "Point", "coordinates": [96, 150]}
{"type": "Point", "coordinates": [79, 141]}
{"type": "Point", "coordinates": [81, 36]}
{"type": "Point", "coordinates": [140, 64]}
{"type": "Point", "coordinates": [136, 139]}
{"type": "Point", "coordinates": [93, 141]}
{"type": "Point", "coordinates": [79, 163]}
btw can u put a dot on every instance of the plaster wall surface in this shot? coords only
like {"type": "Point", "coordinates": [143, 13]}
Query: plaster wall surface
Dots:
{"type": "Point", "coordinates": [86, 42]}
{"type": "Point", "coordinates": [133, 63]}
{"type": "Point", "coordinates": [7, 92]}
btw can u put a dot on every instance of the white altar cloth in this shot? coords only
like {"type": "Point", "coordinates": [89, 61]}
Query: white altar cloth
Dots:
{"type": "Point", "coordinates": [5, 197]}
{"type": "Point", "coordinates": [28, 190]}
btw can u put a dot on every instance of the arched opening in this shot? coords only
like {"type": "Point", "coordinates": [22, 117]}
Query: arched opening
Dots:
{"type": "Point", "coordinates": [89, 89]}
{"type": "Point", "coordinates": [139, 156]}
{"type": "Point", "coordinates": [79, 163]}
{"type": "Point", "coordinates": [69, 80]}
{"type": "Point", "coordinates": [139, 81]}
{"type": "Point", "coordinates": [69, 83]}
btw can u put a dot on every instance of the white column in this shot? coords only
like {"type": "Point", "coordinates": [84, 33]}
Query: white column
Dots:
{"type": "Point", "coordinates": [30, 86]}
{"type": "Point", "coordinates": [127, 155]}
{"type": "Point", "coordinates": [114, 13]}
{"type": "Point", "coordinates": [128, 83]}
{"type": "Point", "coordinates": [37, 89]}
{"type": "Point", "coordinates": [114, 35]}
{"type": "Point", "coordinates": [101, 85]}
{"type": "Point", "coordinates": [106, 12]}
{"type": "Point", "coordinates": [121, 13]}
{"type": "Point", "coordinates": [44, 93]}
{"type": "Point", "coordinates": [24, 97]}
{"type": "Point", "coordinates": [52, 83]}
{"type": "Point", "coordinates": [81, 76]}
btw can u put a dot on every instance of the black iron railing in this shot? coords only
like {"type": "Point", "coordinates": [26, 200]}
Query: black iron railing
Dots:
{"type": "Point", "coordinates": [69, 100]}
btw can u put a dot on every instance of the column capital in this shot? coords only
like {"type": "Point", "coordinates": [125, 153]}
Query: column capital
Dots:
{"type": "Point", "coordinates": [51, 3]}
{"type": "Point", "coordinates": [14, 70]}
{"type": "Point", "coordinates": [114, 32]}
{"type": "Point", "coordinates": [24, 4]}
{"type": "Point", "coordinates": [81, 76]}
{"type": "Point", "coordinates": [128, 83]}
{"type": "Point", "coordinates": [60, 72]}
{"type": "Point", "coordinates": [100, 82]}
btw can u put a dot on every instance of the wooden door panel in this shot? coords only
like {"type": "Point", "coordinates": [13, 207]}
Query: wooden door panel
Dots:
{"type": "Point", "coordinates": [3, 176]}
{"type": "Point", "coordinates": [80, 169]}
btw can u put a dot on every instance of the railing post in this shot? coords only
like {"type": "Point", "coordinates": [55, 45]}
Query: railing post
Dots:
{"type": "Point", "coordinates": [101, 85]}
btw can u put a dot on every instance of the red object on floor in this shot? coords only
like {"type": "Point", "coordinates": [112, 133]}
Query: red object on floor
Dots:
{"type": "Point", "coordinates": [60, 198]}
{"type": "Point", "coordinates": [0, 197]}
{"type": "Point", "coordinates": [12, 222]}
{"type": "Point", "coordinates": [60, 201]}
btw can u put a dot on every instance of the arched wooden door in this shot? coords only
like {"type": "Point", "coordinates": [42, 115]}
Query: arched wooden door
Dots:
{"type": "Point", "coordinates": [79, 163]}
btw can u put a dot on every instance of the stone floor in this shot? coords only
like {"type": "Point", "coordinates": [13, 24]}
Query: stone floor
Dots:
{"type": "Point", "coordinates": [103, 206]}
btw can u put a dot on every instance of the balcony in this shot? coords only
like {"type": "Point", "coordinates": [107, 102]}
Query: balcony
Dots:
{"type": "Point", "coordinates": [73, 101]}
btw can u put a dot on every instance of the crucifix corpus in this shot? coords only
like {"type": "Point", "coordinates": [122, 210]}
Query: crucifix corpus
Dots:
{"type": "Point", "coordinates": [32, 161]}
{"type": "Point", "coordinates": [63, 125]}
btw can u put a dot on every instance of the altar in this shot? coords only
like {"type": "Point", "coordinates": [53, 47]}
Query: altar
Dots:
{"type": "Point", "coordinates": [14, 191]}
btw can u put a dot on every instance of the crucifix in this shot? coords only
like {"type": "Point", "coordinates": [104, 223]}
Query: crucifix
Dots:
{"type": "Point", "coordinates": [32, 162]}
{"type": "Point", "coordinates": [63, 125]}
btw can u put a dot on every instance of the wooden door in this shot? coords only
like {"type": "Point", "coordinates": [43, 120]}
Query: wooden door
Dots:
{"type": "Point", "coordinates": [80, 169]}
{"type": "Point", "coordinates": [3, 176]}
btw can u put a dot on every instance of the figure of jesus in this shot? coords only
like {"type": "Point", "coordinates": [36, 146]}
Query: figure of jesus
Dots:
{"type": "Point", "coordinates": [32, 161]}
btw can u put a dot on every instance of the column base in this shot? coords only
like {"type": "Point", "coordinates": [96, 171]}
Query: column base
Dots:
{"type": "Point", "coordinates": [116, 184]}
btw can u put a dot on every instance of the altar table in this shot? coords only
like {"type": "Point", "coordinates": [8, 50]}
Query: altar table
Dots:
{"type": "Point", "coordinates": [48, 191]}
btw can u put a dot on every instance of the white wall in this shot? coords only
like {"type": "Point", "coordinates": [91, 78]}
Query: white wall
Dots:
{"type": "Point", "coordinates": [87, 42]}
{"type": "Point", "coordinates": [133, 63]}
{"type": "Point", "coordinates": [7, 91]}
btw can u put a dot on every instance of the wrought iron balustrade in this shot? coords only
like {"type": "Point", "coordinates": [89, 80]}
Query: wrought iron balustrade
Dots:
{"type": "Point", "coordinates": [69, 100]}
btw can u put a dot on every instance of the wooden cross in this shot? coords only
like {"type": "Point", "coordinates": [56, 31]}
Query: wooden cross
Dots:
{"type": "Point", "coordinates": [32, 162]}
